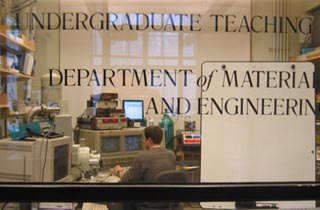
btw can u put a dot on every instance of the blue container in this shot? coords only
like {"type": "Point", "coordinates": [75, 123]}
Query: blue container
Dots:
{"type": "Point", "coordinates": [167, 125]}
{"type": "Point", "coordinates": [22, 132]}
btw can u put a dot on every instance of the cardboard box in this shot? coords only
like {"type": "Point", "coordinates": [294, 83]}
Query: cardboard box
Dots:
{"type": "Point", "coordinates": [3, 100]}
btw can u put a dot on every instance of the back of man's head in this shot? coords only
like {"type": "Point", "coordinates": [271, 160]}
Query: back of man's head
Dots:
{"type": "Point", "coordinates": [155, 133]}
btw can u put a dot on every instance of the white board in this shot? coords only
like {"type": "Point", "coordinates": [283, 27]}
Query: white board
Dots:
{"type": "Point", "coordinates": [262, 127]}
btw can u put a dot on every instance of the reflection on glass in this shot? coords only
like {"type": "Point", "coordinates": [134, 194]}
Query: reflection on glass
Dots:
{"type": "Point", "coordinates": [152, 48]}
{"type": "Point", "coordinates": [154, 44]}
{"type": "Point", "coordinates": [188, 45]}
{"type": "Point", "coordinates": [170, 44]}
{"type": "Point", "coordinates": [127, 50]}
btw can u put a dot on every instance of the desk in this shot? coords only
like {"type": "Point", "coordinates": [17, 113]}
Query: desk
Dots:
{"type": "Point", "coordinates": [102, 178]}
{"type": "Point", "coordinates": [105, 176]}
{"type": "Point", "coordinates": [192, 169]}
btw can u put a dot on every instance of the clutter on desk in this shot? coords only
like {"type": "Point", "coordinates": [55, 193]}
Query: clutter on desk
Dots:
{"type": "Point", "coordinates": [102, 113]}
{"type": "Point", "coordinates": [86, 162]}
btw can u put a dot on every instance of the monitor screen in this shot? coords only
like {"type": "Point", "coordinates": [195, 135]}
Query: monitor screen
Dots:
{"type": "Point", "coordinates": [134, 109]}
{"type": "Point", "coordinates": [110, 144]}
{"type": "Point", "coordinates": [133, 143]}
{"type": "Point", "coordinates": [61, 162]}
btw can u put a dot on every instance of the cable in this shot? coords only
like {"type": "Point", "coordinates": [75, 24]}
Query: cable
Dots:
{"type": "Point", "coordinates": [46, 137]}
{"type": "Point", "coordinates": [80, 169]}
{"type": "Point", "coordinates": [77, 134]}
{"type": "Point", "coordinates": [83, 113]}
{"type": "Point", "coordinates": [12, 206]}
{"type": "Point", "coordinates": [77, 128]}
{"type": "Point", "coordinates": [24, 168]}
{"type": "Point", "coordinates": [177, 136]}
{"type": "Point", "coordinates": [41, 145]}
{"type": "Point", "coordinates": [4, 205]}
{"type": "Point", "coordinates": [45, 159]}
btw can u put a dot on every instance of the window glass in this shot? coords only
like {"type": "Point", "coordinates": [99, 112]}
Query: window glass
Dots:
{"type": "Point", "coordinates": [231, 86]}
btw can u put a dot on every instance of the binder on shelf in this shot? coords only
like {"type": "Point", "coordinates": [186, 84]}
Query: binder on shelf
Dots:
{"type": "Point", "coordinates": [18, 62]}
{"type": "Point", "coordinates": [28, 64]}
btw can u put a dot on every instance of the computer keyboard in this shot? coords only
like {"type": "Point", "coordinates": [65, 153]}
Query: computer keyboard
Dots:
{"type": "Point", "coordinates": [94, 206]}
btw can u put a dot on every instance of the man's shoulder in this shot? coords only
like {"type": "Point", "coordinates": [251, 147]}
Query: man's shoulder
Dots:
{"type": "Point", "coordinates": [154, 151]}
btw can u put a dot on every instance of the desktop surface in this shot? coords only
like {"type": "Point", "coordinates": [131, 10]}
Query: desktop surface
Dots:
{"type": "Point", "coordinates": [105, 176]}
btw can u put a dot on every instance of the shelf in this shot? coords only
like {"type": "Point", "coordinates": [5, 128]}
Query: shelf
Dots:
{"type": "Point", "coordinates": [315, 58]}
{"type": "Point", "coordinates": [18, 46]}
{"type": "Point", "coordinates": [13, 114]}
{"type": "Point", "coordinates": [311, 56]}
{"type": "Point", "coordinates": [9, 113]}
{"type": "Point", "coordinates": [4, 106]}
{"type": "Point", "coordinates": [6, 39]}
{"type": "Point", "coordinates": [14, 72]}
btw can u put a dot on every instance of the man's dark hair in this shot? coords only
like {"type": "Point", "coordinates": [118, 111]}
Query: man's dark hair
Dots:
{"type": "Point", "coordinates": [154, 132]}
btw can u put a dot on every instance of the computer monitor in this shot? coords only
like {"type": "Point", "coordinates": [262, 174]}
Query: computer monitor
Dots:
{"type": "Point", "coordinates": [133, 109]}
{"type": "Point", "coordinates": [109, 144]}
{"type": "Point", "coordinates": [36, 160]}
{"type": "Point", "coordinates": [61, 161]}
{"type": "Point", "coordinates": [133, 143]}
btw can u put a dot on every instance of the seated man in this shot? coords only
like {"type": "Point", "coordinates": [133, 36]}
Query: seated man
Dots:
{"type": "Point", "coordinates": [147, 165]}
{"type": "Point", "coordinates": [150, 162]}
